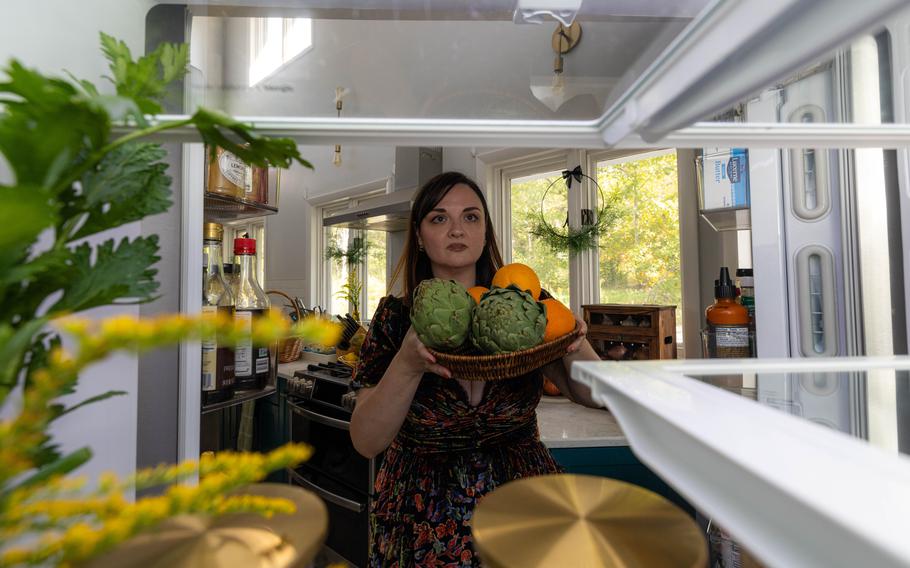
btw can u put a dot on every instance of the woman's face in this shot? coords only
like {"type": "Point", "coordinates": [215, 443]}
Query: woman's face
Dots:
{"type": "Point", "coordinates": [453, 233]}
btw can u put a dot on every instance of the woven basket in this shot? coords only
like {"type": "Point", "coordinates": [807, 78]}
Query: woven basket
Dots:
{"type": "Point", "coordinates": [289, 347]}
{"type": "Point", "coordinates": [472, 366]}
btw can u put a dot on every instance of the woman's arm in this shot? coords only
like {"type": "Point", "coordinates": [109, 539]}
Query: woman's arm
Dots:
{"type": "Point", "coordinates": [380, 410]}
{"type": "Point", "coordinates": [559, 370]}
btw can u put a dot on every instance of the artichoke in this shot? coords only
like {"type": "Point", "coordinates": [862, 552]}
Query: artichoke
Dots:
{"type": "Point", "coordinates": [441, 314]}
{"type": "Point", "coordinates": [506, 320]}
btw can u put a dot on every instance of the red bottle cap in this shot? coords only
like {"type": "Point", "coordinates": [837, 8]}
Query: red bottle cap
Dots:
{"type": "Point", "coordinates": [244, 246]}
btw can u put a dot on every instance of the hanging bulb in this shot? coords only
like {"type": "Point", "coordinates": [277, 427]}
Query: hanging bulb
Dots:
{"type": "Point", "coordinates": [559, 84]}
{"type": "Point", "coordinates": [336, 159]}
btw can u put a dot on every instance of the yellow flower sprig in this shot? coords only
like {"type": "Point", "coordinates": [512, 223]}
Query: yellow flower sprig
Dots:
{"type": "Point", "coordinates": [26, 433]}
{"type": "Point", "coordinates": [99, 522]}
{"type": "Point", "coordinates": [76, 526]}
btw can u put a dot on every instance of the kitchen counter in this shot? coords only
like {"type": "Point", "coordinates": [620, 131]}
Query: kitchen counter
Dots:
{"type": "Point", "coordinates": [562, 423]}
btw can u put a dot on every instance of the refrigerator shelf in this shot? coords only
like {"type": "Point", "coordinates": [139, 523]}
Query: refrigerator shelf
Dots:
{"type": "Point", "coordinates": [239, 398]}
{"type": "Point", "coordinates": [221, 208]}
{"type": "Point", "coordinates": [731, 219]}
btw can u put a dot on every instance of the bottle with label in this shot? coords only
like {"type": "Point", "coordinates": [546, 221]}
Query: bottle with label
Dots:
{"type": "Point", "coordinates": [217, 298]}
{"type": "Point", "coordinates": [226, 174]}
{"type": "Point", "coordinates": [250, 302]}
{"type": "Point", "coordinates": [728, 321]}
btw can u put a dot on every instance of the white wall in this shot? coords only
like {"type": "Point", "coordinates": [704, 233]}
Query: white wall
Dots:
{"type": "Point", "coordinates": [53, 35]}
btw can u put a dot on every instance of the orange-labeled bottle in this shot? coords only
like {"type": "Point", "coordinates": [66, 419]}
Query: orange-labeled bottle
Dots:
{"type": "Point", "coordinates": [728, 321]}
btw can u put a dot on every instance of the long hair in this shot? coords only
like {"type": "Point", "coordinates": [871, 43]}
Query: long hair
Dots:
{"type": "Point", "coordinates": [414, 263]}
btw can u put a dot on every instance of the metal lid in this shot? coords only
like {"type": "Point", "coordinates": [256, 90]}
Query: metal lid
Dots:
{"type": "Point", "coordinates": [212, 231]}
{"type": "Point", "coordinates": [582, 520]}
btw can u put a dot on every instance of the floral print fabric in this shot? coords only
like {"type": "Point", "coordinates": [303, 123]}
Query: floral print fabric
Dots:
{"type": "Point", "coordinates": [447, 455]}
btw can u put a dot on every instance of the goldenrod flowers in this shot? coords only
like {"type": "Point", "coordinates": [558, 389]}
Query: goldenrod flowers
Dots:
{"type": "Point", "coordinates": [75, 524]}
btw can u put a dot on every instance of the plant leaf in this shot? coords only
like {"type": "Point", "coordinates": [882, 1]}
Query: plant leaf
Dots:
{"type": "Point", "coordinates": [24, 213]}
{"type": "Point", "coordinates": [47, 125]}
{"type": "Point", "coordinates": [90, 400]}
{"type": "Point", "coordinates": [61, 466]}
{"type": "Point", "coordinates": [118, 272]}
{"type": "Point", "coordinates": [129, 184]}
{"type": "Point", "coordinates": [144, 80]}
{"type": "Point", "coordinates": [237, 137]}
{"type": "Point", "coordinates": [14, 343]}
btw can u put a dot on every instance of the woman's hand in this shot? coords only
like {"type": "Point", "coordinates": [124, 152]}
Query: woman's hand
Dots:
{"type": "Point", "coordinates": [582, 332]}
{"type": "Point", "coordinates": [415, 355]}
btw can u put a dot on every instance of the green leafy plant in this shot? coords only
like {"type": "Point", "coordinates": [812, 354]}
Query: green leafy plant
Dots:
{"type": "Point", "coordinates": [350, 291]}
{"type": "Point", "coordinates": [352, 255]}
{"type": "Point", "coordinates": [79, 167]}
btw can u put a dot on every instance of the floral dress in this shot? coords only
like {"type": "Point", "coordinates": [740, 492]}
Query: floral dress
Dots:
{"type": "Point", "coordinates": [446, 456]}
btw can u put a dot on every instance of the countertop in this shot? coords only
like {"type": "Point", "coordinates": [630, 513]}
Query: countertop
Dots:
{"type": "Point", "coordinates": [562, 423]}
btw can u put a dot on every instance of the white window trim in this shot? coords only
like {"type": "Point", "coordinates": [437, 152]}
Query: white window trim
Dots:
{"type": "Point", "coordinates": [319, 267]}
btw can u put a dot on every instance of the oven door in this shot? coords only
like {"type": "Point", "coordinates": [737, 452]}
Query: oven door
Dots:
{"type": "Point", "coordinates": [338, 474]}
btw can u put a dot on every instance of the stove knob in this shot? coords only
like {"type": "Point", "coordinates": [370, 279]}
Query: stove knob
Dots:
{"type": "Point", "coordinates": [349, 400]}
{"type": "Point", "coordinates": [306, 388]}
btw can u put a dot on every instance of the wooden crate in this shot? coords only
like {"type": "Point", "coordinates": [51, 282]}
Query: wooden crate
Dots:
{"type": "Point", "coordinates": [645, 331]}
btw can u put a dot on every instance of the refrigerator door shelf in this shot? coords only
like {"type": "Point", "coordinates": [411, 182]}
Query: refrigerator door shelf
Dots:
{"type": "Point", "coordinates": [774, 472]}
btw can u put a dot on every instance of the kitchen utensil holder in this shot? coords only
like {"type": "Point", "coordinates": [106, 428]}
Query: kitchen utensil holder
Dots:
{"type": "Point", "coordinates": [289, 347]}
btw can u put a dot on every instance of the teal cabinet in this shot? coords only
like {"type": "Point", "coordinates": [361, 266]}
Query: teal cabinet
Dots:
{"type": "Point", "coordinates": [616, 462]}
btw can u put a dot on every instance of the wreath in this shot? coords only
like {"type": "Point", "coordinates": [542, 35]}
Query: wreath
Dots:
{"type": "Point", "coordinates": [574, 240]}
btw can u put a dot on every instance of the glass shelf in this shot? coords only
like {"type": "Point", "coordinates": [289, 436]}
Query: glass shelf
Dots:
{"type": "Point", "coordinates": [733, 219]}
{"type": "Point", "coordinates": [239, 397]}
{"type": "Point", "coordinates": [222, 208]}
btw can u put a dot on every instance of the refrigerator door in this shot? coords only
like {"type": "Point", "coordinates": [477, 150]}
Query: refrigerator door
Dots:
{"type": "Point", "coordinates": [795, 483]}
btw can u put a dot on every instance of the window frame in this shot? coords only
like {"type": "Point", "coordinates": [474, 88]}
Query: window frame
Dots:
{"type": "Point", "coordinates": [320, 267]}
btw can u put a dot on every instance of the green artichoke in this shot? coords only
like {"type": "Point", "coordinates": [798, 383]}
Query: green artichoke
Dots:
{"type": "Point", "coordinates": [507, 320]}
{"type": "Point", "coordinates": [441, 314]}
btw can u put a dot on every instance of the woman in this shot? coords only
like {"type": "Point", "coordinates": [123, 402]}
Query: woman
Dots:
{"type": "Point", "coordinates": [447, 441]}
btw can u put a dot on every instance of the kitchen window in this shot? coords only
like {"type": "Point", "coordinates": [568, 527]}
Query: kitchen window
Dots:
{"type": "Point", "coordinates": [638, 256]}
{"type": "Point", "coordinates": [367, 278]}
{"type": "Point", "coordinates": [274, 42]}
{"type": "Point", "coordinates": [529, 197]}
{"type": "Point", "coordinates": [637, 260]}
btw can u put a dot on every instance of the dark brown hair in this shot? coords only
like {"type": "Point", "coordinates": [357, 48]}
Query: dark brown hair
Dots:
{"type": "Point", "coordinates": [414, 263]}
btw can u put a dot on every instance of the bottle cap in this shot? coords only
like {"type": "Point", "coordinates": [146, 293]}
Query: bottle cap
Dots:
{"type": "Point", "coordinates": [723, 287]}
{"type": "Point", "coordinates": [212, 232]}
{"type": "Point", "coordinates": [244, 246]}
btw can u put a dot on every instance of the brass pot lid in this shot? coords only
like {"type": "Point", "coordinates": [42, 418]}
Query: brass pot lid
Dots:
{"type": "Point", "coordinates": [582, 520]}
{"type": "Point", "coordinates": [236, 540]}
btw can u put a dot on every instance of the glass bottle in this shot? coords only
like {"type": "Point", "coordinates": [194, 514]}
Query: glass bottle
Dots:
{"type": "Point", "coordinates": [217, 298]}
{"type": "Point", "coordinates": [250, 303]}
{"type": "Point", "coordinates": [728, 321]}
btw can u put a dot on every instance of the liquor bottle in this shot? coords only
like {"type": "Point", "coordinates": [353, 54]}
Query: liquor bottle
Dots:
{"type": "Point", "coordinates": [250, 303]}
{"type": "Point", "coordinates": [217, 361]}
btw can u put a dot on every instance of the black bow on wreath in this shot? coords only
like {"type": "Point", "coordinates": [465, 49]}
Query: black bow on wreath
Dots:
{"type": "Point", "coordinates": [569, 174]}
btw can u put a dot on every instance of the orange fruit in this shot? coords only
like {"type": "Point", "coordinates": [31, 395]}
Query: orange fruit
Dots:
{"type": "Point", "coordinates": [476, 292]}
{"type": "Point", "coordinates": [560, 319]}
{"type": "Point", "coordinates": [519, 275]}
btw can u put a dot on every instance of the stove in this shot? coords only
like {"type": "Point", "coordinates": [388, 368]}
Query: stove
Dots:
{"type": "Point", "coordinates": [320, 401]}
{"type": "Point", "coordinates": [328, 385]}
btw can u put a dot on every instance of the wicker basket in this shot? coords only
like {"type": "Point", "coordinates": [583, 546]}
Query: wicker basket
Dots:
{"type": "Point", "coordinates": [289, 347]}
{"type": "Point", "coordinates": [475, 367]}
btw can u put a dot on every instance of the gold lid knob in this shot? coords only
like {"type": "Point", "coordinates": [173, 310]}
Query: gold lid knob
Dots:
{"type": "Point", "coordinates": [582, 520]}
{"type": "Point", "coordinates": [212, 231]}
